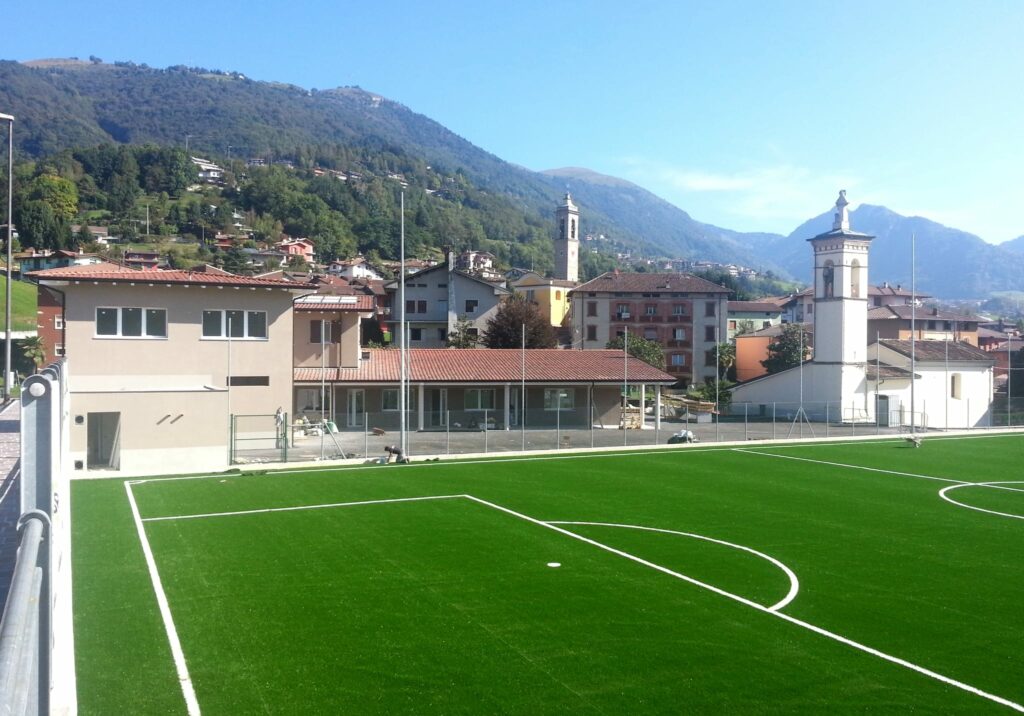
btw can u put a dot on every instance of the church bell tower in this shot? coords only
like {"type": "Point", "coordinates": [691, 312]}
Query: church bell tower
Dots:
{"type": "Point", "coordinates": [567, 241]}
{"type": "Point", "coordinates": [841, 303]}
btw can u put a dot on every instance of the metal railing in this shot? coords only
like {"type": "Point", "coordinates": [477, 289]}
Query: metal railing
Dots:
{"type": "Point", "coordinates": [37, 674]}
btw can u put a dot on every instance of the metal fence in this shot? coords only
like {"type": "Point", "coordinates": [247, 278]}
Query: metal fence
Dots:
{"type": "Point", "coordinates": [365, 435]}
{"type": "Point", "coordinates": [36, 637]}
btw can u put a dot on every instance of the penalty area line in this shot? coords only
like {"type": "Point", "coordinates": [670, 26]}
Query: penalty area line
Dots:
{"type": "Point", "coordinates": [297, 508]}
{"type": "Point", "coordinates": [766, 610]}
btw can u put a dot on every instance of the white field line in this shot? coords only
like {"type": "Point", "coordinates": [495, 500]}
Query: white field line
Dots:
{"type": "Point", "coordinates": [781, 615]}
{"type": "Point", "coordinates": [958, 483]}
{"type": "Point", "coordinates": [165, 612]}
{"type": "Point", "coordinates": [794, 583]}
{"type": "Point", "coordinates": [947, 498]}
{"type": "Point", "coordinates": [298, 508]}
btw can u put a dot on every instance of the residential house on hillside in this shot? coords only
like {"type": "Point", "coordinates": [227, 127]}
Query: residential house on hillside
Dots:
{"type": "Point", "coordinates": [467, 389]}
{"type": "Point", "coordinates": [478, 263]}
{"type": "Point", "coordinates": [437, 297]}
{"type": "Point", "coordinates": [99, 234]}
{"type": "Point", "coordinates": [33, 260]}
{"type": "Point", "coordinates": [208, 171]}
{"type": "Point", "coordinates": [159, 360]}
{"type": "Point", "coordinates": [755, 315]}
{"type": "Point", "coordinates": [355, 267]}
{"type": "Point", "coordinates": [685, 314]}
{"type": "Point", "coordinates": [303, 248]}
{"type": "Point", "coordinates": [550, 295]}
{"type": "Point", "coordinates": [139, 259]}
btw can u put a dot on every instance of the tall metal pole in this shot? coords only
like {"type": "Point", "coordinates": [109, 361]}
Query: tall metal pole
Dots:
{"type": "Point", "coordinates": [947, 384]}
{"type": "Point", "coordinates": [522, 395]}
{"type": "Point", "coordinates": [10, 257]}
{"type": "Point", "coordinates": [401, 341]}
{"type": "Point", "coordinates": [625, 384]}
{"type": "Point", "coordinates": [1009, 368]}
{"type": "Point", "coordinates": [913, 327]}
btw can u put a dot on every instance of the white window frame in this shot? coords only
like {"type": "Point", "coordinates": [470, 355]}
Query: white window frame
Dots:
{"type": "Point", "coordinates": [58, 322]}
{"type": "Point", "coordinates": [679, 334]}
{"type": "Point", "coordinates": [478, 392]}
{"type": "Point", "coordinates": [566, 399]}
{"type": "Point", "coordinates": [120, 323]}
{"type": "Point", "coordinates": [412, 402]}
{"type": "Point", "coordinates": [224, 322]}
{"type": "Point", "coordinates": [678, 359]}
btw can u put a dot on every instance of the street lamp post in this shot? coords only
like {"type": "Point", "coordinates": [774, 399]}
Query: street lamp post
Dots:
{"type": "Point", "coordinates": [10, 258]}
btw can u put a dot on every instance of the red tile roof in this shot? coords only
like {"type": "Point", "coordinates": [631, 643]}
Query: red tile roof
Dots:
{"type": "Point", "coordinates": [334, 302]}
{"type": "Point", "coordinates": [112, 273]}
{"type": "Point", "coordinates": [650, 283]}
{"type": "Point", "coordinates": [492, 365]}
{"type": "Point", "coordinates": [758, 306]}
{"type": "Point", "coordinates": [922, 314]}
{"type": "Point", "coordinates": [938, 350]}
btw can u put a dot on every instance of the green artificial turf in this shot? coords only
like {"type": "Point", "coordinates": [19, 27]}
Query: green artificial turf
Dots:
{"type": "Point", "coordinates": [448, 605]}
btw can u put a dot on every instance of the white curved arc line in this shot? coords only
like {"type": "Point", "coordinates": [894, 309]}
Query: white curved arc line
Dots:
{"type": "Point", "coordinates": [794, 583]}
{"type": "Point", "coordinates": [950, 500]}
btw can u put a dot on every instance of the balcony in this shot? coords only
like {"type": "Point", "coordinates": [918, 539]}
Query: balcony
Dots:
{"type": "Point", "coordinates": [677, 344]}
{"type": "Point", "coordinates": [624, 316]}
{"type": "Point", "coordinates": [651, 319]}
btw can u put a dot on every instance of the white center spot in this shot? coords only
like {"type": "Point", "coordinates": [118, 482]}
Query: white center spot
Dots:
{"type": "Point", "coordinates": [554, 564]}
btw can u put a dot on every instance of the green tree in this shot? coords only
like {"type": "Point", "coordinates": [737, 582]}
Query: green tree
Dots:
{"type": "Point", "coordinates": [33, 349]}
{"type": "Point", "coordinates": [726, 360]}
{"type": "Point", "coordinates": [707, 391]}
{"type": "Point", "coordinates": [745, 326]}
{"type": "Point", "coordinates": [650, 352]}
{"type": "Point", "coordinates": [505, 329]}
{"type": "Point", "coordinates": [787, 350]}
{"type": "Point", "coordinates": [464, 335]}
{"type": "Point", "coordinates": [61, 194]}
{"type": "Point", "coordinates": [234, 261]}
{"type": "Point", "coordinates": [39, 227]}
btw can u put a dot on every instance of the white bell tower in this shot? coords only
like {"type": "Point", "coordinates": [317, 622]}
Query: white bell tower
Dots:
{"type": "Point", "coordinates": [841, 307]}
{"type": "Point", "coordinates": [567, 241]}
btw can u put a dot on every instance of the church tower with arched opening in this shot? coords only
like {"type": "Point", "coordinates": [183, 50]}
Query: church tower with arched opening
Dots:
{"type": "Point", "coordinates": [840, 306]}
{"type": "Point", "coordinates": [567, 241]}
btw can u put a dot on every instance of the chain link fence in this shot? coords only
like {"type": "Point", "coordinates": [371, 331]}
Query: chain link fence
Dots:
{"type": "Point", "coordinates": [365, 435]}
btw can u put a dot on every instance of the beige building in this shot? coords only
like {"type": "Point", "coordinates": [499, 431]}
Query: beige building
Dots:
{"type": "Point", "coordinates": [159, 360]}
{"type": "Point", "coordinates": [549, 295]}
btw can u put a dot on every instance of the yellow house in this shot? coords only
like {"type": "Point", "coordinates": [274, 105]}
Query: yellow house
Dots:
{"type": "Point", "coordinates": [551, 295]}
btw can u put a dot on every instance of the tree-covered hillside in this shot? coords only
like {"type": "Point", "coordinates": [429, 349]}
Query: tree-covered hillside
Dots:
{"type": "Point", "coordinates": [348, 202]}
{"type": "Point", "coordinates": [64, 104]}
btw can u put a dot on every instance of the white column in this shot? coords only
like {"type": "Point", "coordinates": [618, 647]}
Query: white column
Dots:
{"type": "Point", "coordinates": [421, 391]}
{"type": "Point", "coordinates": [643, 404]}
{"type": "Point", "coordinates": [657, 407]}
{"type": "Point", "coordinates": [508, 405]}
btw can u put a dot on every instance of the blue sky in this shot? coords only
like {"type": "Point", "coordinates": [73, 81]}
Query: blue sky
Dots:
{"type": "Point", "coordinates": [747, 115]}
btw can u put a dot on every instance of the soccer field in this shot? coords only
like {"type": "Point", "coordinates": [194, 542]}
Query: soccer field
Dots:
{"type": "Point", "coordinates": [810, 577]}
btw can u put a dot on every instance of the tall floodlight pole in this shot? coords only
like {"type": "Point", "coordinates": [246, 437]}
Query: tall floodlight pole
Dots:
{"type": "Point", "coordinates": [10, 222]}
{"type": "Point", "coordinates": [1009, 368]}
{"type": "Point", "coordinates": [625, 384]}
{"type": "Point", "coordinates": [913, 327]}
{"type": "Point", "coordinates": [522, 388]}
{"type": "Point", "coordinates": [401, 327]}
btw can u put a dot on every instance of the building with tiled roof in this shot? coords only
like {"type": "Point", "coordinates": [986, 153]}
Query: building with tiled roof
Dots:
{"type": "Point", "coordinates": [463, 388]}
{"type": "Point", "coordinates": [549, 295]}
{"type": "Point", "coordinates": [686, 314]}
{"type": "Point", "coordinates": [436, 298]}
{"type": "Point", "coordinates": [896, 321]}
{"type": "Point", "coordinates": [160, 360]}
{"type": "Point", "coordinates": [917, 383]}
{"type": "Point", "coordinates": [752, 315]}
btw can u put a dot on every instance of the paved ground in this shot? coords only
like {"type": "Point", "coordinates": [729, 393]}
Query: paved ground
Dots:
{"type": "Point", "coordinates": [10, 449]}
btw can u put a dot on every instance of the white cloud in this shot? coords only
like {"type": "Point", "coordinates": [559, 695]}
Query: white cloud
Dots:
{"type": "Point", "coordinates": [771, 198]}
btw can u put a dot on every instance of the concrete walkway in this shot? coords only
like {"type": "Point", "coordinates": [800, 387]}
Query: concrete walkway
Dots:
{"type": "Point", "coordinates": [10, 454]}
